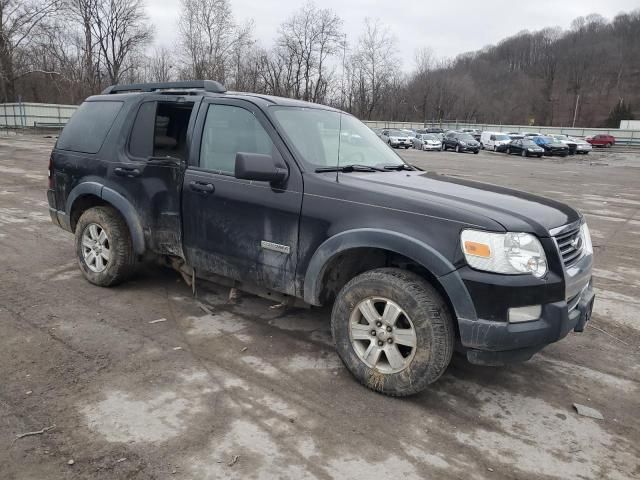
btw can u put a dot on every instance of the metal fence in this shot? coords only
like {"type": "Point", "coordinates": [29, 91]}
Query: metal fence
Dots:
{"type": "Point", "coordinates": [45, 117]}
{"type": "Point", "coordinates": [41, 116]}
{"type": "Point", "coordinates": [623, 137]}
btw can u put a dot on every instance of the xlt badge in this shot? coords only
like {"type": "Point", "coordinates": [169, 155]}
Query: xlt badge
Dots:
{"type": "Point", "coordinates": [276, 247]}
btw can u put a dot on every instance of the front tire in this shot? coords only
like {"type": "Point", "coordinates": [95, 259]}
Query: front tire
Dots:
{"type": "Point", "coordinates": [457, 148]}
{"type": "Point", "coordinates": [103, 247]}
{"type": "Point", "coordinates": [393, 331]}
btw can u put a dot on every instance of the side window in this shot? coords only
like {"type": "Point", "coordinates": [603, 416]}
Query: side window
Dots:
{"type": "Point", "coordinates": [227, 131]}
{"type": "Point", "coordinates": [141, 140]}
{"type": "Point", "coordinates": [493, 137]}
{"type": "Point", "coordinates": [160, 130]}
{"type": "Point", "coordinates": [88, 127]}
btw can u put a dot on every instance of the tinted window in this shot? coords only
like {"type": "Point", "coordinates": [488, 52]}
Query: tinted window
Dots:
{"type": "Point", "coordinates": [141, 140]}
{"type": "Point", "coordinates": [227, 131]}
{"type": "Point", "coordinates": [86, 130]}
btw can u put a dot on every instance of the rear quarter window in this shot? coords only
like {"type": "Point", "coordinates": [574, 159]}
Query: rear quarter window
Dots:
{"type": "Point", "coordinates": [88, 127]}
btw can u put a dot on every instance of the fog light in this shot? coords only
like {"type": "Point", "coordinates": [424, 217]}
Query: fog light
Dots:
{"type": "Point", "coordinates": [525, 314]}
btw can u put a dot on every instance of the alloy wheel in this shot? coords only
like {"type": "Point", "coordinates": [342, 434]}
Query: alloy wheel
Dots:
{"type": "Point", "coordinates": [382, 335]}
{"type": "Point", "coordinates": [96, 248]}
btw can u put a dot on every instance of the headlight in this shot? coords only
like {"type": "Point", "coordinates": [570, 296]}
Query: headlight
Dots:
{"type": "Point", "coordinates": [586, 239]}
{"type": "Point", "coordinates": [509, 253]}
{"type": "Point", "coordinates": [462, 143]}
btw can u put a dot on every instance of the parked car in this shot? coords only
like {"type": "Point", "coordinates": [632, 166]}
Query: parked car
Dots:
{"type": "Point", "coordinates": [396, 138]}
{"type": "Point", "coordinates": [460, 142]}
{"type": "Point", "coordinates": [426, 141]}
{"type": "Point", "coordinates": [495, 141]}
{"type": "Point", "coordinates": [474, 132]}
{"type": "Point", "coordinates": [551, 146]}
{"type": "Point", "coordinates": [217, 191]}
{"type": "Point", "coordinates": [582, 146]}
{"type": "Point", "coordinates": [573, 146]}
{"type": "Point", "coordinates": [602, 140]}
{"type": "Point", "coordinates": [525, 147]}
{"type": "Point", "coordinates": [410, 133]}
{"type": "Point", "coordinates": [434, 130]}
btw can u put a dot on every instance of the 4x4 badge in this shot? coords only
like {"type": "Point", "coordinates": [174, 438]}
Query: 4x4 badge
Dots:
{"type": "Point", "coordinates": [276, 247]}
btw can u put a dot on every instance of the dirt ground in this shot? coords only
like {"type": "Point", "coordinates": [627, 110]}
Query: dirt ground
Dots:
{"type": "Point", "coordinates": [250, 392]}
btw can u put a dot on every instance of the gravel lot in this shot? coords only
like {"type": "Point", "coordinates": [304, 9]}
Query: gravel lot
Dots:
{"type": "Point", "coordinates": [246, 391]}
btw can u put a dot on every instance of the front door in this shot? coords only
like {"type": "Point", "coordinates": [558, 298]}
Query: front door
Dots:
{"type": "Point", "coordinates": [241, 229]}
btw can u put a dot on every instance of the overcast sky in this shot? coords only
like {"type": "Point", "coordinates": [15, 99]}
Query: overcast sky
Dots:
{"type": "Point", "coordinates": [447, 27]}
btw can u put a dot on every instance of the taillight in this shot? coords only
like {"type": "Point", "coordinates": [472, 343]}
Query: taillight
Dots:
{"type": "Point", "coordinates": [51, 171]}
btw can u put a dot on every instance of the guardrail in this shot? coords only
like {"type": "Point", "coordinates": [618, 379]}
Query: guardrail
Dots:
{"type": "Point", "coordinates": [623, 137]}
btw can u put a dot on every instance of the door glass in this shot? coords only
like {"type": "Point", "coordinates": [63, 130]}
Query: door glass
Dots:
{"type": "Point", "coordinates": [227, 131]}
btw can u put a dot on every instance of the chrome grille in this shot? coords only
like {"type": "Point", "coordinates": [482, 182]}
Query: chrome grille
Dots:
{"type": "Point", "coordinates": [570, 244]}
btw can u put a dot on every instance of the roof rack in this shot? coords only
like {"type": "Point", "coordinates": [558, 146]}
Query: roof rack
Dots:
{"type": "Point", "coordinates": [206, 85]}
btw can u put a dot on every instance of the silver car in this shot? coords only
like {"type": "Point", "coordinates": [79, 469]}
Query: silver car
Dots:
{"type": "Point", "coordinates": [426, 141]}
{"type": "Point", "coordinates": [396, 138]}
{"type": "Point", "coordinates": [582, 146]}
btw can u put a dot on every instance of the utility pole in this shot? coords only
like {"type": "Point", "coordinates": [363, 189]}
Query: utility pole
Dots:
{"type": "Point", "coordinates": [344, 56]}
{"type": "Point", "coordinates": [575, 112]}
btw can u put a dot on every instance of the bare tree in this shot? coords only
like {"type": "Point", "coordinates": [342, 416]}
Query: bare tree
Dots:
{"type": "Point", "coordinates": [162, 65]}
{"type": "Point", "coordinates": [210, 37]}
{"type": "Point", "coordinates": [19, 22]}
{"type": "Point", "coordinates": [305, 42]}
{"type": "Point", "coordinates": [373, 64]}
{"type": "Point", "coordinates": [120, 29]}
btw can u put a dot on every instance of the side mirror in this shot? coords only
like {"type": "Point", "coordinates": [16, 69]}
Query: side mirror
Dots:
{"type": "Point", "coordinates": [255, 166]}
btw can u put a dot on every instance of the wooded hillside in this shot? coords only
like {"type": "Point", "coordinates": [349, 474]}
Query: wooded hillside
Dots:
{"type": "Point", "coordinates": [59, 51]}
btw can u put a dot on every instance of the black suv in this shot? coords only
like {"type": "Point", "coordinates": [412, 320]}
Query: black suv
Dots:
{"type": "Point", "coordinates": [460, 142]}
{"type": "Point", "coordinates": [305, 204]}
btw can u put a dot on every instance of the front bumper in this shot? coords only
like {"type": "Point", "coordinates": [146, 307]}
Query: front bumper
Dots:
{"type": "Point", "coordinates": [486, 335]}
{"type": "Point", "coordinates": [469, 148]}
{"type": "Point", "coordinates": [488, 342]}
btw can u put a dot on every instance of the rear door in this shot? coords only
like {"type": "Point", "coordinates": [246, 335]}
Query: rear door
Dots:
{"type": "Point", "coordinates": [241, 229]}
{"type": "Point", "coordinates": [149, 169]}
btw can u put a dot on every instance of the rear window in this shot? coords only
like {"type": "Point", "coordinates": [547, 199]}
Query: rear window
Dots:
{"type": "Point", "coordinates": [88, 127]}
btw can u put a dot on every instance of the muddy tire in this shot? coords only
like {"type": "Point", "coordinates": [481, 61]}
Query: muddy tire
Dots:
{"type": "Point", "coordinates": [393, 331]}
{"type": "Point", "coordinates": [103, 247]}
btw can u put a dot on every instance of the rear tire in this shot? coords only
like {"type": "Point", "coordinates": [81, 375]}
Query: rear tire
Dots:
{"type": "Point", "coordinates": [103, 247]}
{"type": "Point", "coordinates": [414, 352]}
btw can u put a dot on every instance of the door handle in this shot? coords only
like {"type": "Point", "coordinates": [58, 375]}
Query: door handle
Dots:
{"type": "Point", "coordinates": [126, 172]}
{"type": "Point", "coordinates": [202, 187]}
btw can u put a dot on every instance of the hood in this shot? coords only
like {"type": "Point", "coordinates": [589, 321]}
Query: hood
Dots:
{"type": "Point", "coordinates": [554, 144]}
{"type": "Point", "coordinates": [441, 196]}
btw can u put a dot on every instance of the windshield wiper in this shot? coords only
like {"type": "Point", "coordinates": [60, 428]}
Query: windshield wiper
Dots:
{"type": "Point", "coordinates": [400, 166]}
{"type": "Point", "coordinates": [350, 168]}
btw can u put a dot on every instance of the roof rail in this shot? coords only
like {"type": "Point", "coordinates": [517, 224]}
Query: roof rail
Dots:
{"type": "Point", "coordinates": [206, 85]}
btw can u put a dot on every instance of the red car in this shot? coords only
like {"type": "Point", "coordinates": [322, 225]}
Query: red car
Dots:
{"type": "Point", "coordinates": [602, 140]}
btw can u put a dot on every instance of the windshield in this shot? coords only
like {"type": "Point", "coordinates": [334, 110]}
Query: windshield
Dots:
{"type": "Point", "coordinates": [529, 143]}
{"type": "Point", "coordinates": [429, 136]}
{"type": "Point", "coordinates": [466, 137]}
{"type": "Point", "coordinates": [503, 137]}
{"type": "Point", "coordinates": [318, 135]}
{"type": "Point", "coordinates": [544, 139]}
{"type": "Point", "coordinates": [397, 133]}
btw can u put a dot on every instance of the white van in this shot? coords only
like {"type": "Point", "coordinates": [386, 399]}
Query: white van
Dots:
{"type": "Point", "coordinates": [493, 140]}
